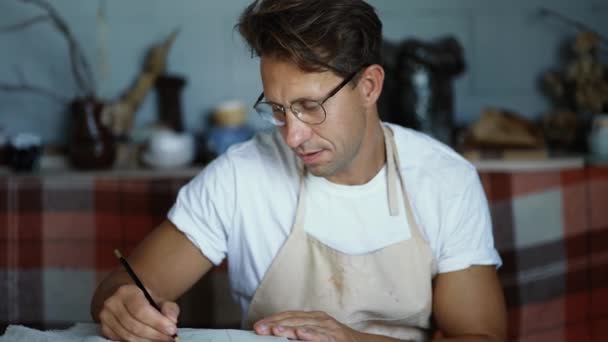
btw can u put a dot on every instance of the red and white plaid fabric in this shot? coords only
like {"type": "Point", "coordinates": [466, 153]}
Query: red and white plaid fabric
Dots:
{"type": "Point", "coordinates": [551, 229]}
{"type": "Point", "coordinates": [57, 235]}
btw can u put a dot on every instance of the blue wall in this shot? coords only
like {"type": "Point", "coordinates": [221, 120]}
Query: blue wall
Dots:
{"type": "Point", "coordinates": [507, 46]}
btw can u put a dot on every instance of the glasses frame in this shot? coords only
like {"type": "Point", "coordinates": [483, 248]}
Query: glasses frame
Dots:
{"type": "Point", "coordinates": [331, 94]}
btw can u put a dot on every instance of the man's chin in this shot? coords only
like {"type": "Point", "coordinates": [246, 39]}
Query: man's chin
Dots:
{"type": "Point", "coordinates": [320, 170]}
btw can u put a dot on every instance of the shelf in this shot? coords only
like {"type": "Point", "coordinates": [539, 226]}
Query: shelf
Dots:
{"type": "Point", "coordinates": [490, 165]}
{"type": "Point", "coordinates": [552, 164]}
{"type": "Point", "coordinates": [188, 172]}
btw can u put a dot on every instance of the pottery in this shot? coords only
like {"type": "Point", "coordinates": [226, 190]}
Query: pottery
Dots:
{"type": "Point", "coordinates": [24, 152]}
{"type": "Point", "coordinates": [92, 145]}
{"type": "Point", "coordinates": [169, 149]}
{"type": "Point", "coordinates": [598, 137]}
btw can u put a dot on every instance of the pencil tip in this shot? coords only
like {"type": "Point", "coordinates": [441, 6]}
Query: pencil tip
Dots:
{"type": "Point", "coordinates": [117, 253]}
{"type": "Point", "coordinates": [176, 339]}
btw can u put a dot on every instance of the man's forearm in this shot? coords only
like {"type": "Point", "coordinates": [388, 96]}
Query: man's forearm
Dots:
{"type": "Point", "coordinates": [377, 338]}
{"type": "Point", "coordinates": [471, 338]}
{"type": "Point", "coordinates": [468, 338]}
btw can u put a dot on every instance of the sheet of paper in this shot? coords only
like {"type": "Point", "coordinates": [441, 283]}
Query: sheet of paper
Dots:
{"type": "Point", "coordinates": [86, 332]}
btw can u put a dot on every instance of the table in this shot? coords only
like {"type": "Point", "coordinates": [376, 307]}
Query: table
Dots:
{"type": "Point", "coordinates": [91, 333]}
{"type": "Point", "coordinates": [57, 233]}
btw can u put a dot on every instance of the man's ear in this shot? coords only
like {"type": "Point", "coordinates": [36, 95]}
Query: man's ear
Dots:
{"type": "Point", "coordinates": [370, 84]}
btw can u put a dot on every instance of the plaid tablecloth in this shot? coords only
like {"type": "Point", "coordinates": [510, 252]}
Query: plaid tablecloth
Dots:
{"type": "Point", "coordinates": [551, 229]}
{"type": "Point", "coordinates": [57, 235]}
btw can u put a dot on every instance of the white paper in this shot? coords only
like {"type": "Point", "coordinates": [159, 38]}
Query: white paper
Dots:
{"type": "Point", "coordinates": [87, 332]}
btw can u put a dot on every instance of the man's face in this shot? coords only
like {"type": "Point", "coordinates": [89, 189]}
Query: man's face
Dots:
{"type": "Point", "coordinates": [327, 149]}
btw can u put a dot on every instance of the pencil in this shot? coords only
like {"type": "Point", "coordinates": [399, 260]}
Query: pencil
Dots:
{"type": "Point", "coordinates": [139, 284]}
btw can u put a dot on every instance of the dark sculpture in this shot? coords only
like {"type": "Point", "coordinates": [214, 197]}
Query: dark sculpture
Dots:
{"type": "Point", "coordinates": [418, 88]}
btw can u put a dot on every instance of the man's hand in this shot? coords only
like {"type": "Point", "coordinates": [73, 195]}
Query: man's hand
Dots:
{"type": "Point", "coordinates": [306, 326]}
{"type": "Point", "coordinates": [127, 316]}
{"type": "Point", "coordinates": [122, 309]}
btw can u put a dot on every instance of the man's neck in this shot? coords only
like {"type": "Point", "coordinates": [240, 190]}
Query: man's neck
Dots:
{"type": "Point", "coordinates": [368, 162]}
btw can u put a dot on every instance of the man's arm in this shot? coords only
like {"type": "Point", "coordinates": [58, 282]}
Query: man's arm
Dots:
{"type": "Point", "coordinates": [168, 264]}
{"type": "Point", "coordinates": [469, 305]}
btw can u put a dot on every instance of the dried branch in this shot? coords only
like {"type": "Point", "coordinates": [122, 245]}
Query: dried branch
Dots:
{"type": "Point", "coordinates": [81, 69]}
{"type": "Point", "coordinates": [580, 26]}
{"type": "Point", "coordinates": [24, 24]}
{"type": "Point", "coordinates": [23, 86]}
{"type": "Point", "coordinates": [14, 88]}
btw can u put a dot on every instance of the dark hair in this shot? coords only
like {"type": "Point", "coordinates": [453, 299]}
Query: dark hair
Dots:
{"type": "Point", "coordinates": [317, 35]}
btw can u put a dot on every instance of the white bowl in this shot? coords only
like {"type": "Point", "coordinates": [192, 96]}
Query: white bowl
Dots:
{"type": "Point", "coordinates": [167, 149]}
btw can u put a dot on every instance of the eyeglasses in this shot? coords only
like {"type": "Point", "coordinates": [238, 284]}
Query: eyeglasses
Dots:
{"type": "Point", "coordinates": [311, 112]}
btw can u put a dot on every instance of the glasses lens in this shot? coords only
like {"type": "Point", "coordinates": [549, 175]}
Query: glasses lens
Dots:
{"type": "Point", "coordinates": [271, 113]}
{"type": "Point", "coordinates": [311, 112]}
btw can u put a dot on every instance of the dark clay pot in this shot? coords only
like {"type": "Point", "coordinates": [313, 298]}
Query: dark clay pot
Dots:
{"type": "Point", "coordinates": [92, 145]}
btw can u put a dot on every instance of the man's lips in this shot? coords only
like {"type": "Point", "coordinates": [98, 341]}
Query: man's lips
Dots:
{"type": "Point", "coordinates": [310, 157]}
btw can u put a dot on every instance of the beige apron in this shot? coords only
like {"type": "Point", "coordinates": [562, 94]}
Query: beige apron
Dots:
{"type": "Point", "coordinates": [386, 292]}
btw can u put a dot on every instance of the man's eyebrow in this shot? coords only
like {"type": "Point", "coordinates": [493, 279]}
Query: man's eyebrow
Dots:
{"type": "Point", "coordinates": [305, 99]}
{"type": "Point", "coordinates": [299, 99]}
{"type": "Point", "coordinates": [265, 100]}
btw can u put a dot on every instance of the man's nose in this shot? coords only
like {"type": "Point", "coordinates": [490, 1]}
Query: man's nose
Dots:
{"type": "Point", "coordinates": [295, 132]}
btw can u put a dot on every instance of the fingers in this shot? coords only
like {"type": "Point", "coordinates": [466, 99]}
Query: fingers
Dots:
{"type": "Point", "coordinates": [291, 315]}
{"type": "Point", "coordinates": [295, 318]}
{"type": "Point", "coordinates": [108, 333]}
{"type": "Point", "coordinates": [139, 322]}
{"type": "Point", "coordinates": [113, 329]}
{"type": "Point", "coordinates": [306, 326]}
{"type": "Point", "coordinates": [288, 314]}
{"type": "Point", "coordinates": [310, 333]}
{"type": "Point", "coordinates": [128, 316]}
{"type": "Point", "coordinates": [122, 327]}
{"type": "Point", "coordinates": [283, 331]}
{"type": "Point", "coordinates": [284, 324]}
{"type": "Point", "coordinates": [139, 308]}
{"type": "Point", "coordinates": [303, 333]}
{"type": "Point", "coordinates": [170, 310]}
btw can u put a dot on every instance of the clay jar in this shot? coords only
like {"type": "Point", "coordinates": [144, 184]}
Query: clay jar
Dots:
{"type": "Point", "coordinates": [91, 144]}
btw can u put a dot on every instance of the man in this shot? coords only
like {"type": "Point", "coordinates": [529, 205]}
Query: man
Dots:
{"type": "Point", "coordinates": [338, 227]}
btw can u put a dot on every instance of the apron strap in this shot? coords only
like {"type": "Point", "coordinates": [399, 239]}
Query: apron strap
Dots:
{"type": "Point", "coordinates": [391, 173]}
{"type": "Point", "coordinates": [301, 206]}
{"type": "Point", "coordinates": [409, 213]}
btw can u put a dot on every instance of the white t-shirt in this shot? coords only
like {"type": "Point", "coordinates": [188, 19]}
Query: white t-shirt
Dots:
{"type": "Point", "coordinates": [242, 206]}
